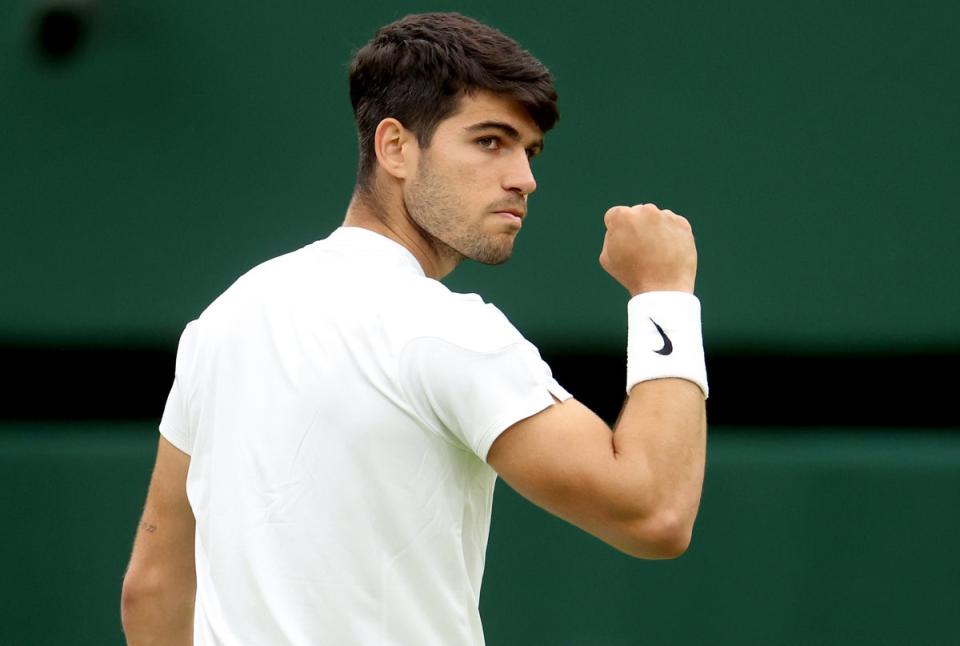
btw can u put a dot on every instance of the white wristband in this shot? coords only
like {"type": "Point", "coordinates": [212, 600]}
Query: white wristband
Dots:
{"type": "Point", "coordinates": [664, 339]}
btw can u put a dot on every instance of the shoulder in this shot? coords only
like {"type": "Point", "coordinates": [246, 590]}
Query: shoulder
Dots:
{"type": "Point", "coordinates": [261, 283]}
{"type": "Point", "coordinates": [428, 309]}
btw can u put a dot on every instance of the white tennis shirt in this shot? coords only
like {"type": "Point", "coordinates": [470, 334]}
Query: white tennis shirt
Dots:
{"type": "Point", "coordinates": [338, 406]}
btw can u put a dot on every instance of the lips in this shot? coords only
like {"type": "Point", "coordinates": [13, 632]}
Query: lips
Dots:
{"type": "Point", "coordinates": [515, 212]}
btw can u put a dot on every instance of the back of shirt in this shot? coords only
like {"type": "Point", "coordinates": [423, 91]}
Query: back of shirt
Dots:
{"type": "Point", "coordinates": [337, 406]}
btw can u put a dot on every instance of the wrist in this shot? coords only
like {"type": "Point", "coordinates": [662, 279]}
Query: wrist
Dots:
{"type": "Point", "coordinates": [683, 287]}
{"type": "Point", "coordinates": [664, 338]}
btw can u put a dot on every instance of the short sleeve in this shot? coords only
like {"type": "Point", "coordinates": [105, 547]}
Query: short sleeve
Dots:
{"type": "Point", "coordinates": [470, 396]}
{"type": "Point", "coordinates": [176, 425]}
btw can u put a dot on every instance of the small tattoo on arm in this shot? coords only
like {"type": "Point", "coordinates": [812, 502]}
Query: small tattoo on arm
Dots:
{"type": "Point", "coordinates": [148, 527]}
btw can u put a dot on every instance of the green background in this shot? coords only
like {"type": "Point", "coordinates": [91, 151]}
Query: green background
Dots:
{"type": "Point", "coordinates": [814, 147]}
{"type": "Point", "coordinates": [816, 536]}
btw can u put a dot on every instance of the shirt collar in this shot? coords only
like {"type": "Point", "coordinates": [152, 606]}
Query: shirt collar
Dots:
{"type": "Point", "coordinates": [383, 247]}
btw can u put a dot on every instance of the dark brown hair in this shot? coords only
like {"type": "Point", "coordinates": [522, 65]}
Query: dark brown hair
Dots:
{"type": "Point", "coordinates": [418, 68]}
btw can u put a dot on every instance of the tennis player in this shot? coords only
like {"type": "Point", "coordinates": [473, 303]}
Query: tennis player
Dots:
{"type": "Point", "coordinates": [338, 418]}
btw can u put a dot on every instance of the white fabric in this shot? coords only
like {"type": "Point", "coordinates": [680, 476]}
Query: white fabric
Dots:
{"type": "Point", "coordinates": [676, 349]}
{"type": "Point", "coordinates": [338, 407]}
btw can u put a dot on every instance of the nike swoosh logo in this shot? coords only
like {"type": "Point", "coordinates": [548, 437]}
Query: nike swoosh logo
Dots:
{"type": "Point", "coordinates": [667, 344]}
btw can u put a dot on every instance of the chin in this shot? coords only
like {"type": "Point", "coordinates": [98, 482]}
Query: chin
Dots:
{"type": "Point", "coordinates": [493, 256]}
{"type": "Point", "coordinates": [489, 249]}
{"type": "Point", "coordinates": [493, 261]}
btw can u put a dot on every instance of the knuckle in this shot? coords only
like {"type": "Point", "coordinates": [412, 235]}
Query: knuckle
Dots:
{"type": "Point", "coordinates": [612, 214]}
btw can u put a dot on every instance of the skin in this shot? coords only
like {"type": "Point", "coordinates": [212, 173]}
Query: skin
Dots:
{"type": "Point", "coordinates": [636, 486]}
{"type": "Point", "coordinates": [448, 202]}
{"type": "Point", "coordinates": [156, 604]}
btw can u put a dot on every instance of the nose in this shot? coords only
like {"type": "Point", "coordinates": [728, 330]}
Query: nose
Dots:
{"type": "Point", "coordinates": [519, 177]}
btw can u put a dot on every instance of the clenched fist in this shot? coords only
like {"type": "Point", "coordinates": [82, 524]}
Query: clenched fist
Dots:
{"type": "Point", "coordinates": [647, 249]}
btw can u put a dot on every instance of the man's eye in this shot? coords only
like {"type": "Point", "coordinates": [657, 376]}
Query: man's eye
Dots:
{"type": "Point", "coordinates": [490, 143]}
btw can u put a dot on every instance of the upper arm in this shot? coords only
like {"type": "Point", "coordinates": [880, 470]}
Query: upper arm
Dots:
{"type": "Point", "coordinates": [563, 460]}
{"type": "Point", "coordinates": [163, 548]}
{"type": "Point", "coordinates": [638, 488]}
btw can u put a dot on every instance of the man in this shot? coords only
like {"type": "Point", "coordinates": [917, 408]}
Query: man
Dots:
{"type": "Point", "coordinates": [330, 445]}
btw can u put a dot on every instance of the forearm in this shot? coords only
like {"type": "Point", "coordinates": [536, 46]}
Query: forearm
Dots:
{"type": "Point", "coordinates": [660, 439]}
{"type": "Point", "coordinates": [659, 445]}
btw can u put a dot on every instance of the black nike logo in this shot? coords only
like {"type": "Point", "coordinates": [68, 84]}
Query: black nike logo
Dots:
{"type": "Point", "coordinates": [667, 345]}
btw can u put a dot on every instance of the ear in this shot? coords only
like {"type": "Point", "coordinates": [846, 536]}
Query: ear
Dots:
{"type": "Point", "coordinates": [396, 148]}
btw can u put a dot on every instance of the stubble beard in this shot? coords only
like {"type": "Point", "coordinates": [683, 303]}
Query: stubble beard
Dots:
{"type": "Point", "coordinates": [435, 207]}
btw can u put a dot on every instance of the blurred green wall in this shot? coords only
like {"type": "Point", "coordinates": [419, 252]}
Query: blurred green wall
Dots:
{"type": "Point", "coordinates": [813, 145]}
{"type": "Point", "coordinates": [807, 537]}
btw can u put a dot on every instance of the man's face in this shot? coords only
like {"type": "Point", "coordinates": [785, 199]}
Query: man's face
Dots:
{"type": "Point", "coordinates": [469, 192]}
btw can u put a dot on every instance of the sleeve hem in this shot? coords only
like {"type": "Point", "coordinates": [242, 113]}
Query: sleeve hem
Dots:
{"type": "Point", "coordinates": [174, 436]}
{"type": "Point", "coordinates": [537, 402]}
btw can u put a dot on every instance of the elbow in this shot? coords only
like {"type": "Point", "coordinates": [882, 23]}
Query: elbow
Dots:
{"type": "Point", "coordinates": [131, 597]}
{"type": "Point", "coordinates": [665, 535]}
{"type": "Point", "coordinates": [137, 595]}
{"type": "Point", "coordinates": [155, 605]}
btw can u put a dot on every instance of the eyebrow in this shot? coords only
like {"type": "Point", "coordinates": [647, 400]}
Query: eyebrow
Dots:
{"type": "Point", "coordinates": [508, 130]}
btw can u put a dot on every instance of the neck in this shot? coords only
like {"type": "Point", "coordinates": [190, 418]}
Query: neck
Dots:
{"type": "Point", "coordinates": [389, 217]}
